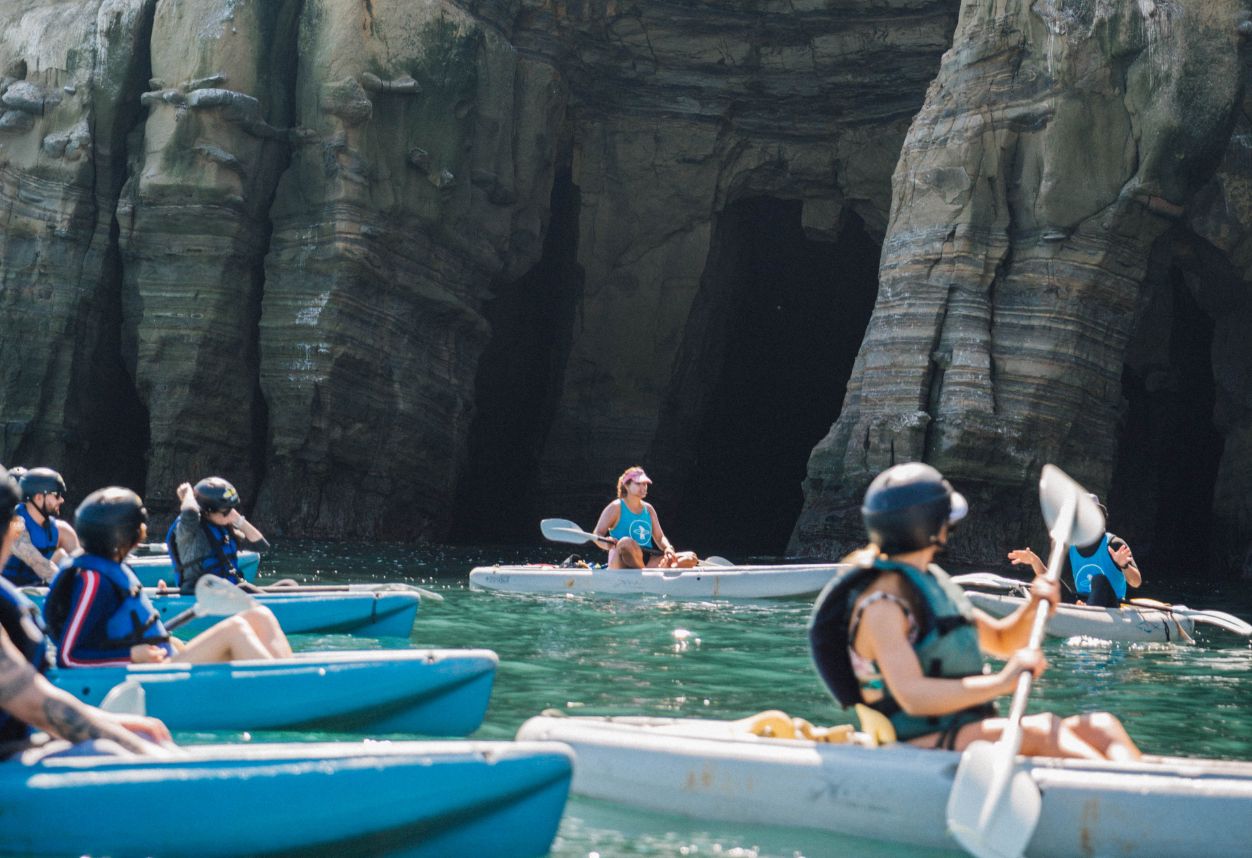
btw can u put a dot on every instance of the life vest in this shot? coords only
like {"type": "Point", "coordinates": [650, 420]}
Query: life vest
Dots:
{"type": "Point", "coordinates": [223, 562]}
{"type": "Point", "coordinates": [636, 525]}
{"type": "Point", "coordinates": [22, 623]}
{"type": "Point", "coordinates": [1085, 569]}
{"type": "Point", "coordinates": [135, 621]}
{"type": "Point", "coordinates": [45, 537]}
{"type": "Point", "coordinates": [947, 642]}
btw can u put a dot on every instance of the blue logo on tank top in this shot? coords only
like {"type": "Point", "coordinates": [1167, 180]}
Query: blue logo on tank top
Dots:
{"type": "Point", "coordinates": [641, 533]}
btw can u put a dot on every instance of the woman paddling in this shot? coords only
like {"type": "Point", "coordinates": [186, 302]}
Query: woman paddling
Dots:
{"type": "Point", "coordinates": [98, 614]}
{"type": "Point", "coordinates": [630, 525]}
{"type": "Point", "coordinates": [896, 635]}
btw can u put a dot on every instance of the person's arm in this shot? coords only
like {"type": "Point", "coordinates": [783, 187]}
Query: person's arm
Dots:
{"type": "Point", "coordinates": [658, 535]}
{"type": "Point", "coordinates": [606, 522]}
{"type": "Point", "coordinates": [1003, 637]}
{"type": "Point", "coordinates": [29, 697]}
{"type": "Point", "coordinates": [1125, 561]}
{"type": "Point", "coordinates": [883, 633]}
{"type": "Point", "coordinates": [1027, 557]}
{"type": "Point", "coordinates": [67, 540]}
{"type": "Point", "coordinates": [25, 550]}
{"type": "Point", "coordinates": [254, 538]}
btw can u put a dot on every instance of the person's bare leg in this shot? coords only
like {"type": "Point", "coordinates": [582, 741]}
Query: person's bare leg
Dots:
{"type": "Point", "coordinates": [230, 640]}
{"type": "Point", "coordinates": [267, 629]}
{"type": "Point", "coordinates": [626, 554]}
{"type": "Point", "coordinates": [1105, 733]}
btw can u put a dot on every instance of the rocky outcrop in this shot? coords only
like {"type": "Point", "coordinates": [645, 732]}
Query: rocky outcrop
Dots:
{"type": "Point", "coordinates": [1059, 142]}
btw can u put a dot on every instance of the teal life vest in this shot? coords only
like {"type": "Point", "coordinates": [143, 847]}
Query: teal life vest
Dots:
{"type": "Point", "coordinates": [946, 647]}
{"type": "Point", "coordinates": [1085, 569]}
{"type": "Point", "coordinates": [636, 525]}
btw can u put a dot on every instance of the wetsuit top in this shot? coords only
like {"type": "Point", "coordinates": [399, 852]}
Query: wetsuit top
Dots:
{"type": "Point", "coordinates": [45, 537]}
{"type": "Point", "coordinates": [22, 623]}
{"type": "Point", "coordinates": [636, 525]}
{"type": "Point", "coordinates": [1086, 568]}
{"type": "Point", "coordinates": [946, 644]}
{"type": "Point", "coordinates": [214, 550]}
{"type": "Point", "coordinates": [96, 611]}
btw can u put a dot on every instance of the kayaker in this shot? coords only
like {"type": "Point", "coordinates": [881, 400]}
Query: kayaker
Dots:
{"type": "Point", "coordinates": [43, 540]}
{"type": "Point", "coordinates": [1101, 571]}
{"type": "Point", "coordinates": [897, 635]}
{"type": "Point", "coordinates": [206, 537]}
{"type": "Point", "coordinates": [97, 612]}
{"type": "Point", "coordinates": [630, 525]}
{"type": "Point", "coordinates": [28, 700]}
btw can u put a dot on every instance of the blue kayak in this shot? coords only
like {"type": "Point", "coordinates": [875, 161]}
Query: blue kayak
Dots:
{"type": "Point", "coordinates": [157, 566]}
{"type": "Point", "coordinates": [433, 692]}
{"type": "Point", "coordinates": [338, 798]}
{"type": "Point", "coordinates": [375, 610]}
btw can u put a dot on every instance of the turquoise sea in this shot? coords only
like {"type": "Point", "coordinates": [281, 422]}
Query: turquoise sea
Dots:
{"type": "Point", "coordinates": [728, 660]}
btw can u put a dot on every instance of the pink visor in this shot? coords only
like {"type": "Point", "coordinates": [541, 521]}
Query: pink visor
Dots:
{"type": "Point", "coordinates": [636, 475]}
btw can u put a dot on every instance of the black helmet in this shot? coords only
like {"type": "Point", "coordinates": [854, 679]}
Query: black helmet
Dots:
{"type": "Point", "coordinates": [10, 496]}
{"type": "Point", "coordinates": [907, 505]}
{"type": "Point", "coordinates": [109, 519]}
{"type": "Point", "coordinates": [214, 494]}
{"type": "Point", "coordinates": [39, 481]}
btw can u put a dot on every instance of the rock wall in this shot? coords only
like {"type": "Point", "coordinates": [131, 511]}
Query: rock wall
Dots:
{"type": "Point", "coordinates": [1059, 142]}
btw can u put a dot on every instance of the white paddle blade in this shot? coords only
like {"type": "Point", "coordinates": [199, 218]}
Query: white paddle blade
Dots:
{"type": "Point", "coordinates": [1055, 488]}
{"type": "Point", "coordinates": [126, 698]}
{"type": "Point", "coordinates": [987, 819]}
{"type": "Point", "coordinates": [217, 597]}
{"type": "Point", "coordinates": [563, 530]}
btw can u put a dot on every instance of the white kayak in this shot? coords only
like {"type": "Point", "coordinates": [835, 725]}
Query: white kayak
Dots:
{"type": "Point", "coordinates": [1124, 625]}
{"type": "Point", "coordinates": [701, 582]}
{"type": "Point", "coordinates": [718, 770]}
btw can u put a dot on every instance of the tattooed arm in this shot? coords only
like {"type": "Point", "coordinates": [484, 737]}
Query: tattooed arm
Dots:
{"type": "Point", "coordinates": [26, 695]}
{"type": "Point", "coordinates": [25, 550]}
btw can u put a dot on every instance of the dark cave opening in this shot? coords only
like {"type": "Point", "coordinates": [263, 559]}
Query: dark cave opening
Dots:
{"type": "Point", "coordinates": [1169, 449]}
{"type": "Point", "coordinates": [797, 313]}
{"type": "Point", "coordinates": [518, 383]}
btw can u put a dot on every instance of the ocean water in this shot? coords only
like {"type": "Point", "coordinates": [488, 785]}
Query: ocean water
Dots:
{"type": "Point", "coordinates": [728, 660]}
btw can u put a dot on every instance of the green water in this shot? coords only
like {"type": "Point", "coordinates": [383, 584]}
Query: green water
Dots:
{"type": "Point", "coordinates": [727, 660]}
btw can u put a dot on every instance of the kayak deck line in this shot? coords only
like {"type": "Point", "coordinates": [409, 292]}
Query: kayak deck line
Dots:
{"type": "Point", "coordinates": [424, 798]}
{"type": "Point", "coordinates": [714, 770]}
{"type": "Point", "coordinates": [1129, 624]}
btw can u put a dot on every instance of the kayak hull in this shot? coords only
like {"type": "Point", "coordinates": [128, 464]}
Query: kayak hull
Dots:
{"type": "Point", "coordinates": [716, 770]}
{"type": "Point", "coordinates": [1123, 625]}
{"type": "Point", "coordinates": [702, 582]}
{"type": "Point", "coordinates": [374, 612]}
{"type": "Point", "coordinates": [153, 568]}
{"type": "Point", "coordinates": [432, 692]}
{"type": "Point", "coordinates": [410, 798]}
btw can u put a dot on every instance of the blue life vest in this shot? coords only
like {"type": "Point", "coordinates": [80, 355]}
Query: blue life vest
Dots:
{"type": "Point", "coordinates": [1101, 563]}
{"type": "Point", "coordinates": [636, 525]}
{"type": "Point", "coordinates": [44, 537]}
{"type": "Point", "coordinates": [223, 562]}
{"type": "Point", "coordinates": [947, 642]}
{"type": "Point", "coordinates": [134, 622]}
{"type": "Point", "coordinates": [22, 623]}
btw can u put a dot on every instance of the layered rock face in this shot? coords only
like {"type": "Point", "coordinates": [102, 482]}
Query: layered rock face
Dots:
{"type": "Point", "coordinates": [1058, 143]}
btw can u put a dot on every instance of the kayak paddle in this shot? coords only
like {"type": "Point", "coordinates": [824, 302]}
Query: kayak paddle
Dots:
{"type": "Point", "coordinates": [1221, 619]}
{"type": "Point", "coordinates": [215, 597]}
{"type": "Point", "coordinates": [564, 530]}
{"type": "Point", "coordinates": [994, 805]}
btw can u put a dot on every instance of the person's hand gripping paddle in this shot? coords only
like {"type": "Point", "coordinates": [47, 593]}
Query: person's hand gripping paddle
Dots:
{"type": "Point", "coordinates": [995, 804]}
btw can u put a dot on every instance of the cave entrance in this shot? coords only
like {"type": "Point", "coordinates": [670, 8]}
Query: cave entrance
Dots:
{"type": "Point", "coordinates": [797, 312]}
{"type": "Point", "coordinates": [1169, 450]}
{"type": "Point", "coordinates": [518, 383]}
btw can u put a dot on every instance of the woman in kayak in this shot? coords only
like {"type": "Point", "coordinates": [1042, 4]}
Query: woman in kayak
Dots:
{"type": "Point", "coordinates": [28, 701]}
{"type": "Point", "coordinates": [897, 635]}
{"type": "Point", "coordinates": [629, 526]}
{"type": "Point", "coordinates": [1101, 572]}
{"type": "Point", "coordinates": [98, 614]}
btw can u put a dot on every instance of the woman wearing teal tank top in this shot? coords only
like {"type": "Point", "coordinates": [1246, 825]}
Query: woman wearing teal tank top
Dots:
{"type": "Point", "coordinates": [630, 526]}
